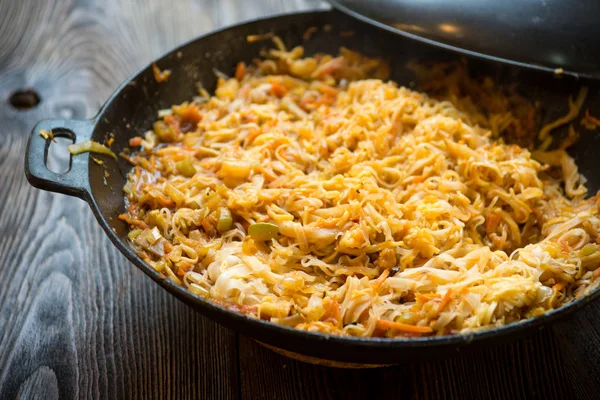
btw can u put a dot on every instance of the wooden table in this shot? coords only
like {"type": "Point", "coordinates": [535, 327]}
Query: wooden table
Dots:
{"type": "Point", "coordinates": [77, 320]}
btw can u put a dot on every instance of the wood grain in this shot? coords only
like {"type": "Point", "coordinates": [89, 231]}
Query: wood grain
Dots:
{"type": "Point", "coordinates": [78, 321]}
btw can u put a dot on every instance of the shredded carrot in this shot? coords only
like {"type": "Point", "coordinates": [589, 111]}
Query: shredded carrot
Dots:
{"type": "Point", "coordinates": [134, 222]}
{"type": "Point", "coordinates": [165, 202]}
{"type": "Point", "coordinates": [333, 313]}
{"type": "Point", "coordinates": [240, 71]}
{"type": "Point", "coordinates": [278, 89]}
{"type": "Point", "coordinates": [418, 179]}
{"type": "Point", "coordinates": [207, 225]}
{"type": "Point", "coordinates": [184, 268]}
{"type": "Point", "coordinates": [596, 273]}
{"type": "Point", "coordinates": [324, 100]}
{"type": "Point", "coordinates": [491, 223]}
{"type": "Point", "coordinates": [309, 32]}
{"type": "Point", "coordinates": [445, 300]}
{"type": "Point", "coordinates": [559, 286]}
{"type": "Point", "coordinates": [110, 141]}
{"type": "Point", "coordinates": [135, 141]}
{"type": "Point", "coordinates": [423, 298]}
{"type": "Point", "coordinates": [329, 223]}
{"type": "Point", "coordinates": [379, 281]}
{"type": "Point", "coordinates": [565, 247]}
{"type": "Point", "coordinates": [160, 76]}
{"type": "Point", "coordinates": [399, 326]}
{"type": "Point", "coordinates": [328, 90]}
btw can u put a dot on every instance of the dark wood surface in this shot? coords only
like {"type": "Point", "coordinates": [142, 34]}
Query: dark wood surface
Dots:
{"type": "Point", "coordinates": [79, 321]}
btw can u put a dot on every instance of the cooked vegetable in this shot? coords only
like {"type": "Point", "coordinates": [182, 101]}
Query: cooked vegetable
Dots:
{"type": "Point", "coordinates": [164, 112]}
{"type": "Point", "coordinates": [135, 141]}
{"type": "Point", "coordinates": [165, 132]}
{"type": "Point", "coordinates": [235, 168]}
{"type": "Point", "coordinates": [240, 71]}
{"type": "Point", "coordinates": [175, 194]}
{"type": "Point", "coordinates": [589, 121]}
{"type": "Point", "coordinates": [160, 76]}
{"type": "Point", "coordinates": [186, 167]}
{"type": "Point", "coordinates": [46, 134]}
{"type": "Point", "coordinates": [225, 221]}
{"type": "Point", "coordinates": [263, 231]}
{"type": "Point", "coordinates": [574, 109]}
{"type": "Point", "coordinates": [398, 326]}
{"type": "Point", "coordinates": [156, 218]}
{"type": "Point", "coordinates": [227, 89]}
{"type": "Point", "coordinates": [445, 301]}
{"type": "Point", "coordinates": [90, 146]}
{"type": "Point", "coordinates": [292, 320]}
{"type": "Point", "coordinates": [152, 241]}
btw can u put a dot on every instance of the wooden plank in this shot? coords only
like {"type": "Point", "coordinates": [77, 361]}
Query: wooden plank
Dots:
{"type": "Point", "coordinates": [76, 319]}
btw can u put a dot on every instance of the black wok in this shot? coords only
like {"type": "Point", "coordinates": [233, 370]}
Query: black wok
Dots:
{"type": "Point", "coordinates": [132, 109]}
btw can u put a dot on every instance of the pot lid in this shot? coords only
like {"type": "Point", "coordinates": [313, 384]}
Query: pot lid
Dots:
{"type": "Point", "coordinates": [553, 35]}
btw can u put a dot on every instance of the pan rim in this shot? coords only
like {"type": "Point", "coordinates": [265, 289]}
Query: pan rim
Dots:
{"type": "Point", "coordinates": [460, 50]}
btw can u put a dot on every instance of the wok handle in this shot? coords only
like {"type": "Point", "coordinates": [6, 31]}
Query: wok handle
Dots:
{"type": "Point", "coordinates": [74, 182]}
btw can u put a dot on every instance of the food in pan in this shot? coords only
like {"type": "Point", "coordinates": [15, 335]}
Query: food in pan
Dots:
{"type": "Point", "coordinates": [311, 192]}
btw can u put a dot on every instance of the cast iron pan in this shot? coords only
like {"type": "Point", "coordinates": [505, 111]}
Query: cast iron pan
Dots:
{"type": "Point", "coordinates": [131, 110]}
{"type": "Point", "coordinates": [537, 34]}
